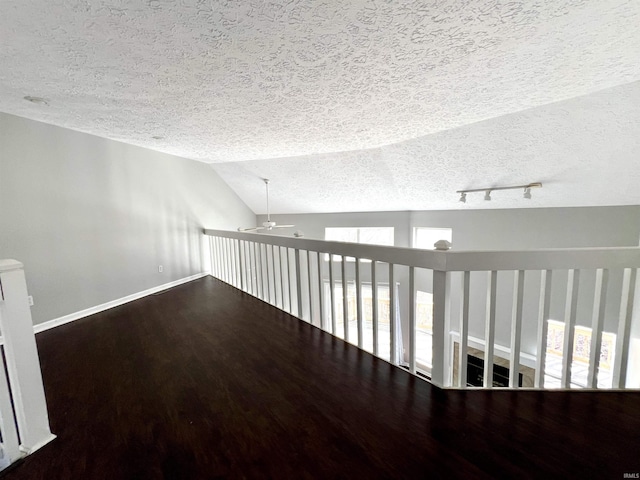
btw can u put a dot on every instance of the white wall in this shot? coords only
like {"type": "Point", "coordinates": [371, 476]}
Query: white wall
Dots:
{"type": "Point", "coordinates": [92, 219]}
{"type": "Point", "coordinates": [506, 229]}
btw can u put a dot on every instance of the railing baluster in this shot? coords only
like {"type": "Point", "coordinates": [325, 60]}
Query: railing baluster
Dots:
{"type": "Point", "coordinates": [214, 255]}
{"type": "Point", "coordinates": [249, 250]}
{"type": "Point", "coordinates": [599, 304]}
{"type": "Point", "coordinates": [227, 265]}
{"type": "Point", "coordinates": [232, 258]}
{"type": "Point", "coordinates": [298, 284]}
{"type": "Point", "coordinates": [359, 305]}
{"type": "Point", "coordinates": [289, 283]}
{"type": "Point", "coordinates": [281, 262]}
{"type": "Point", "coordinates": [289, 289]}
{"type": "Point", "coordinates": [412, 320]}
{"type": "Point", "coordinates": [273, 272]}
{"type": "Point", "coordinates": [345, 302]}
{"type": "Point", "coordinates": [267, 276]}
{"type": "Point", "coordinates": [393, 354]}
{"type": "Point", "coordinates": [621, 358]}
{"type": "Point", "coordinates": [463, 345]}
{"type": "Point", "coordinates": [240, 264]}
{"type": "Point", "coordinates": [232, 261]}
{"type": "Point", "coordinates": [320, 293]}
{"type": "Point", "coordinates": [490, 329]}
{"type": "Point", "coordinates": [543, 326]}
{"type": "Point", "coordinates": [573, 283]}
{"type": "Point", "coordinates": [222, 258]}
{"type": "Point", "coordinates": [264, 264]}
{"type": "Point", "coordinates": [374, 307]}
{"type": "Point", "coordinates": [264, 274]}
{"type": "Point", "coordinates": [256, 261]}
{"type": "Point", "coordinates": [240, 259]}
{"type": "Point", "coordinates": [516, 328]}
{"type": "Point", "coordinates": [332, 297]}
{"type": "Point", "coordinates": [309, 289]}
{"type": "Point", "coordinates": [260, 273]}
{"type": "Point", "coordinates": [219, 257]}
{"type": "Point", "coordinates": [247, 267]}
{"type": "Point", "coordinates": [252, 268]}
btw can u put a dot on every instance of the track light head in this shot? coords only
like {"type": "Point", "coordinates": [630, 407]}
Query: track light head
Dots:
{"type": "Point", "coordinates": [488, 190]}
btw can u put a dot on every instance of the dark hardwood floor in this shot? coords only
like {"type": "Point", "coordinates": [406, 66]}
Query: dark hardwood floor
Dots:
{"type": "Point", "coordinates": [204, 381]}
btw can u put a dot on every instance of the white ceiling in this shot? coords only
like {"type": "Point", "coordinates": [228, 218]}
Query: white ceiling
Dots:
{"type": "Point", "coordinates": [412, 99]}
{"type": "Point", "coordinates": [585, 151]}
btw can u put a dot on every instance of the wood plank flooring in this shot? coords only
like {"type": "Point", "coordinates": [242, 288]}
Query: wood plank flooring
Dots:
{"type": "Point", "coordinates": [204, 382]}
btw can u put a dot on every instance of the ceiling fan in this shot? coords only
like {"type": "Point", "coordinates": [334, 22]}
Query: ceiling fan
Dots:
{"type": "Point", "coordinates": [269, 224]}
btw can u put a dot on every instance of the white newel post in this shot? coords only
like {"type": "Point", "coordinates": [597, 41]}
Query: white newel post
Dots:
{"type": "Point", "coordinates": [23, 366]}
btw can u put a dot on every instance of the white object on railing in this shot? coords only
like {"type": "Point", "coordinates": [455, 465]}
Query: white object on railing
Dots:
{"type": "Point", "coordinates": [504, 334]}
{"type": "Point", "coordinates": [23, 369]}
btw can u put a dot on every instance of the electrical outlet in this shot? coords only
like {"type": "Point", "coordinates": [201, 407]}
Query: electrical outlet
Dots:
{"type": "Point", "coordinates": [160, 268]}
{"type": "Point", "coordinates": [30, 298]}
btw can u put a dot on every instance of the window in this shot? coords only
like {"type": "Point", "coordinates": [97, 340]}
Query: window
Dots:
{"type": "Point", "coordinates": [368, 235]}
{"type": "Point", "coordinates": [425, 237]}
{"type": "Point", "coordinates": [580, 356]}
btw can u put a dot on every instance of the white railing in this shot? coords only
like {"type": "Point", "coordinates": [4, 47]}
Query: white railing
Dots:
{"type": "Point", "coordinates": [521, 309]}
{"type": "Point", "coordinates": [24, 422]}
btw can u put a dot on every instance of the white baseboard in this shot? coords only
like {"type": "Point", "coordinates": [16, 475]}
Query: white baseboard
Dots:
{"type": "Point", "coordinates": [56, 322]}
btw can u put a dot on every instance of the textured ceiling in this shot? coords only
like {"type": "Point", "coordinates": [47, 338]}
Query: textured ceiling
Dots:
{"type": "Point", "coordinates": [228, 81]}
{"type": "Point", "coordinates": [585, 151]}
{"type": "Point", "coordinates": [348, 106]}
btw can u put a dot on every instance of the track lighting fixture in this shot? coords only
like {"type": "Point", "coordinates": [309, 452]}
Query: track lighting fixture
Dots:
{"type": "Point", "coordinates": [488, 190]}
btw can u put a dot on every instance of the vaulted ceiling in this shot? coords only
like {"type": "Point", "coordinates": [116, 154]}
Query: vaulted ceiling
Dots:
{"type": "Point", "coordinates": [347, 106]}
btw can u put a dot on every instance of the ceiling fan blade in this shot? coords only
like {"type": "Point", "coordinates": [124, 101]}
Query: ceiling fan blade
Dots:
{"type": "Point", "coordinates": [252, 229]}
{"type": "Point", "coordinates": [283, 226]}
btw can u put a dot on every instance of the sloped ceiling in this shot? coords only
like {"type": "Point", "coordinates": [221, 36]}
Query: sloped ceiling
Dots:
{"type": "Point", "coordinates": [585, 151]}
{"type": "Point", "coordinates": [361, 105]}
